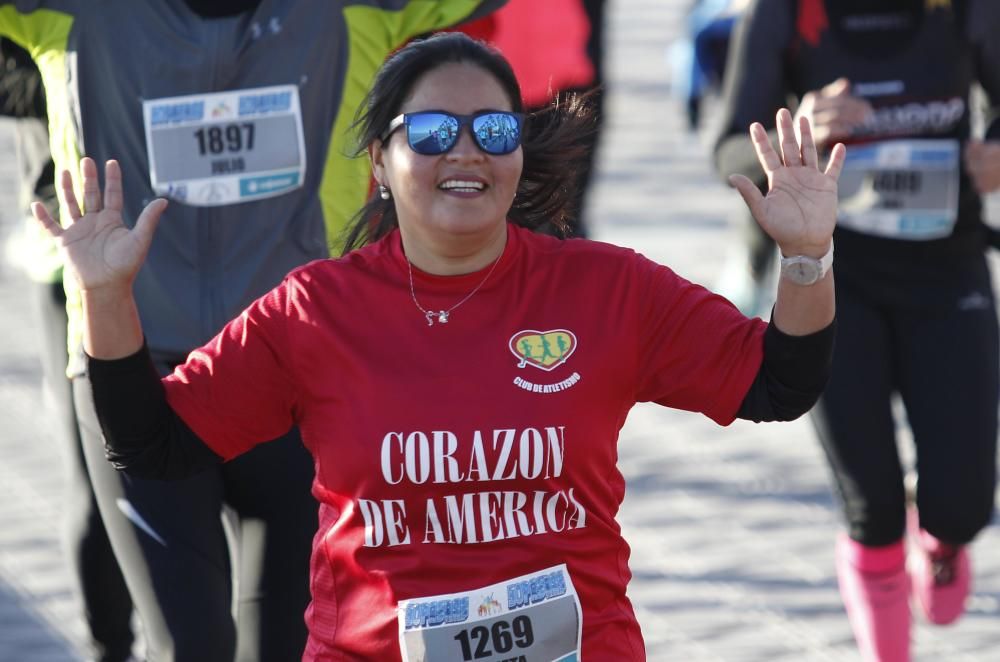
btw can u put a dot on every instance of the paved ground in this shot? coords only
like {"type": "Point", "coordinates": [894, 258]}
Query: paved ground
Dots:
{"type": "Point", "coordinates": [731, 529]}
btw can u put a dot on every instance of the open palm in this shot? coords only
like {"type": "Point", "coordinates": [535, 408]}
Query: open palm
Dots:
{"type": "Point", "coordinates": [800, 209]}
{"type": "Point", "coordinates": [97, 247]}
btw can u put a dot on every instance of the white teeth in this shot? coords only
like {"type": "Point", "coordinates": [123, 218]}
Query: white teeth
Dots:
{"type": "Point", "coordinates": [462, 186]}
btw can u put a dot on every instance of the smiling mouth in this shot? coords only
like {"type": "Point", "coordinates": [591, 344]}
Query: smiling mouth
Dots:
{"type": "Point", "coordinates": [462, 186]}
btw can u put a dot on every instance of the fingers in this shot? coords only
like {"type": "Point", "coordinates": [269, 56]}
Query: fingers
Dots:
{"type": "Point", "coordinates": [976, 154]}
{"type": "Point", "coordinates": [982, 162]}
{"type": "Point", "coordinates": [839, 87]}
{"type": "Point", "coordinates": [146, 224]}
{"type": "Point", "coordinates": [981, 155]}
{"type": "Point", "coordinates": [91, 185]}
{"type": "Point", "coordinates": [45, 219]}
{"type": "Point", "coordinates": [828, 134]}
{"type": "Point", "coordinates": [786, 139]}
{"type": "Point", "coordinates": [113, 196]}
{"type": "Point", "coordinates": [762, 145]}
{"type": "Point", "coordinates": [113, 193]}
{"type": "Point", "coordinates": [69, 196]}
{"type": "Point", "coordinates": [973, 156]}
{"type": "Point", "coordinates": [807, 146]}
{"type": "Point", "coordinates": [836, 162]}
{"type": "Point", "coordinates": [798, 145]}
{"type": "Point", "coordinates": [847, 112]}
{"type": "Point", "coordinates": [833, 112]}
{"type": "Point", "coordinates": [751, 194]}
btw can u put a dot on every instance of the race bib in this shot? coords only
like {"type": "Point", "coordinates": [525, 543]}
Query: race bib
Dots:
{"type": "Point", "coordinates": [532, 618]}
{"type": "Point", "coordinates": [903, 189]}
{"type": "Point", "coordinates": [225, 147]}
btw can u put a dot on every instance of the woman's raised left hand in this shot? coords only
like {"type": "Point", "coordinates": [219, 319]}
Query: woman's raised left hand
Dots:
{"type": "Point", "coordinates": [800, 209]}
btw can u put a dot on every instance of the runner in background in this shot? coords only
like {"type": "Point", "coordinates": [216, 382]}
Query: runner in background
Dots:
{"type": "Point", "coordinates": [237, 112]}
{"type": "Point", "coordinates": [107, 607]}
{"type": "Point", "coordinates": [557, 50]}
{"type": "Point", "coordinates": [915, 303]}
{"type": "Point", "coordinates": [698, 58]}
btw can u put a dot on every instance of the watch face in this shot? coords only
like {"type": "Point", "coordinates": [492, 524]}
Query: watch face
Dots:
{"type": "Point", "coordinates": [801, 270]}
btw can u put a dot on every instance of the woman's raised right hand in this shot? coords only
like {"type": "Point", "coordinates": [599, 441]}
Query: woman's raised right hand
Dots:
{"type": "Point", "coordinates": [97, 248]}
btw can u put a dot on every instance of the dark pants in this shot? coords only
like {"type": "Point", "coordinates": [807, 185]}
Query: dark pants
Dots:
{"type": "Point", "coordinates": [943, 365]}
{"type": "Point", "coordinates": [170, 540]}
{"type": "Point", "coordinates": [106, 603]}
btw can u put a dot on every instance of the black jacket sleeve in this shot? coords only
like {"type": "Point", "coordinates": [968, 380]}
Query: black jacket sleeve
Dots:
{"type": "Point", "coordinates": [792, 375]}
{"type": "Point", "coordinates": [143, 436]}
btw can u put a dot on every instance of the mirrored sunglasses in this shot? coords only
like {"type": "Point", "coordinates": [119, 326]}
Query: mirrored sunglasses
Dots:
{"type": "Point", "coordinates": [432, 132]}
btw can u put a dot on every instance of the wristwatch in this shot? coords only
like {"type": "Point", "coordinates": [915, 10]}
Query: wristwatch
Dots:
{"type": "Point", "coordinates": [805, 270]}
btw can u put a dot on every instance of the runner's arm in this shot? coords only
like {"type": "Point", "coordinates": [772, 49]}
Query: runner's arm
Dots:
{"type": "Point", "coordinates": [983, 25]}
{"type": "Point", "coordinates": [982, 157]}
{"type": "Point", "coordinates": [792, 375]}
{"type": "Point", "coordinates": [754, 87]}
{"type": "Point", "coordinates": [143, 436]}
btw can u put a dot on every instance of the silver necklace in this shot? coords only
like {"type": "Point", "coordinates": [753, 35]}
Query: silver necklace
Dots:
{"type": "Point", "coordinates": [442, 315]}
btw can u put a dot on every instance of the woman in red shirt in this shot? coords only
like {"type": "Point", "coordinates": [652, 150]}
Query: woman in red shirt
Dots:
{"type": "Point", "coordinates": [460, 392]}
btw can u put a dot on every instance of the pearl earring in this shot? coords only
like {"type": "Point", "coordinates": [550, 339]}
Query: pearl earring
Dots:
{"type": "Point", "coordinates": [383, 192]}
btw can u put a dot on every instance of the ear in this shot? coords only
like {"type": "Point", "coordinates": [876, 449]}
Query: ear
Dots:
{"type": "Point", "coordinates": [376, 153]}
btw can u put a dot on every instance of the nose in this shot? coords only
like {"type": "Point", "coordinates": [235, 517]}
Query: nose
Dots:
{"type": "Point", "coordinates": [465, 148]}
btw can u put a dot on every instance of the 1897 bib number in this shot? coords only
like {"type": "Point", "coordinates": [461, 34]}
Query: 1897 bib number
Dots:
{"type": "Point", "coordinates": [216, 139]}
{"type": "Point", "coordinates": [504, 637]}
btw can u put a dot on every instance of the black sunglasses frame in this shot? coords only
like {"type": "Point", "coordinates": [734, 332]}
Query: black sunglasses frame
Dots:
{"type": "Point", "coordinates": [404, 119]}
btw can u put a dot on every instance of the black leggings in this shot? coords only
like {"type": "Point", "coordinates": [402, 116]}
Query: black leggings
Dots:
{"type": "Point", "coordinates": [943, 363]}
{"type": "Point", "coordinates": [107, 607]}
{"type": "Point", "coordinates": [171, 543]}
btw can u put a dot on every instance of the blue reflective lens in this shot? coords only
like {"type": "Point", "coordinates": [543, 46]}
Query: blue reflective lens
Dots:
{"type": "Point", "coordinates": [431, 133]}
{"type": "Point", "coordinates": [497, 133]}
{"type": "Point", "coordinates": [436, 132]}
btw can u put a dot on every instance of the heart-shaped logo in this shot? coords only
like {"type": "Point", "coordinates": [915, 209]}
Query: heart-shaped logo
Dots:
{"type": "Point", "coordinates": [545, 350]}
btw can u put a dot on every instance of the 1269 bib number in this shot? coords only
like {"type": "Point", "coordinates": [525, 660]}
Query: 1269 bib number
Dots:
{"type": "Point", "coordinates": [532, 617]}
{"type": "Point", "coordinates": [502, 635]}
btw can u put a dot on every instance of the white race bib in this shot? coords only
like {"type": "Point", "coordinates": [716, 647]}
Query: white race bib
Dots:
{"type": "Point", "coordinates": [903, 189]}
{"type": "Point", "coordinates": [532, 618]}
{"type": "Point", "coordinates": [225, 147]}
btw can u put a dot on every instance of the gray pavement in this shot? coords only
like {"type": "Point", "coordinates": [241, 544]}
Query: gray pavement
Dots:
{"type": "Point", "coordinates": [731, 529]}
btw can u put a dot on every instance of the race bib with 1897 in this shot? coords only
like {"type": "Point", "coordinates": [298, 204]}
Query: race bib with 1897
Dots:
{"type": "Point", "coordinates": [225, 147]}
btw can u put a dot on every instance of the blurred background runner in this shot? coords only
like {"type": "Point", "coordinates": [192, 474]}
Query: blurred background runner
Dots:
{"type": "Point", "coordinates": [237, 112]}
{"type": "Point", "coordinates": [106, 605]}
{"type": "Point", "coordinates": [556, 48]}
{"type": "Point", "coordinates": [893, 79]}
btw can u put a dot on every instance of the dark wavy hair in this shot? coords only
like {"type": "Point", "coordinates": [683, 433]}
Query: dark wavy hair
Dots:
{"type": "Point", "coordinates": [554, 139]}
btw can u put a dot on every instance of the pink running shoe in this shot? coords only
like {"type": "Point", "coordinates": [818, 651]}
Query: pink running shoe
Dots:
{"type": "Point", "coordinates": [875, 589]}
{"type": "Point", "coordinates": [941, 577]}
